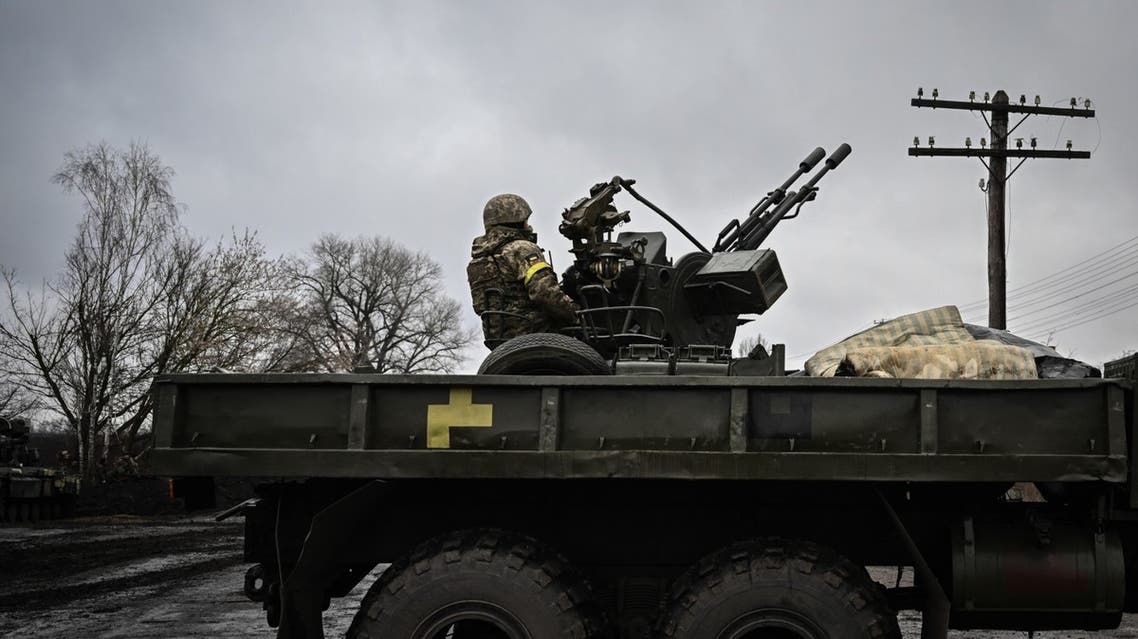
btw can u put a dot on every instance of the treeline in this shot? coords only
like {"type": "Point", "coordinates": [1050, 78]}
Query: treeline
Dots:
{"type": "Point", "coordinates": [139, 296]}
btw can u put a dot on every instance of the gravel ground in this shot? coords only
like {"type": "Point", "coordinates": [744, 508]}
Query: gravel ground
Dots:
{"type": "Point", "coordinates": [132, 577]}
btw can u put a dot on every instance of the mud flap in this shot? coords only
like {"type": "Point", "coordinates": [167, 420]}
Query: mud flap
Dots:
{"type": "Point", "coordinates": [305, 593]}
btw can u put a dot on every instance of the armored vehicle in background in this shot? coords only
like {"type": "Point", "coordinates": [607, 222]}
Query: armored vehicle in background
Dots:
{"type": "Point", "coordinates": [29, 491]}
{"type": "Point", "coordinates": [633, 481]}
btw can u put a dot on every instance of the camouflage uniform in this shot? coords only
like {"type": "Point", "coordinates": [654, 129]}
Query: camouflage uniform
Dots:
{"type": "Point", "coordinates": [508, 273]}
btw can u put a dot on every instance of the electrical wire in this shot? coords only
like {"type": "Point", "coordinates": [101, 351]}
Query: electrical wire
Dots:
{"type": "Point", "coordinates": [1080, 323]}
{"type": "Point", "coordinates": [1060, 133]}
{"type": "Point", "coordinates": [1093, 306]}
{"type": "Point", "coordinates": [1048, 295]}
{"type": "Point", "coordinates": [1108, 298]}
{"type": "Point", "coordinates": [1063, 274]}
{"type": "Point", "coordinates": [1085, 278]}
{"type": "Point", "coordinates": [1087, 292]}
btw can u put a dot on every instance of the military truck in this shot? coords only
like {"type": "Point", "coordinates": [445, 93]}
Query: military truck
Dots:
{"type": "Point", "coordinates": [28, 491]}
{"type": "Point", "coordinates": [632, 479]}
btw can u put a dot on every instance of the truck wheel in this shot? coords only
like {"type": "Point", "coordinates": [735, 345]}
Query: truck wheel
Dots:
{"type": "Point", "coordinates": [544, 354]}
{"type": "Point", "coordinates": [478, 584]}
{"type": "Point", "coordinates": [778, 588]}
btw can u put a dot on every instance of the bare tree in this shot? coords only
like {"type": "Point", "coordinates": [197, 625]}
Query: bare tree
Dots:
{"type": "Point", "coordinates": [372, 303]}
{"type": "Point", "coordinates": [750, 343]}
{"type": "Point", "coordinates": [14, 399]}
{"type": "Point", "coordinates": [137, 298]}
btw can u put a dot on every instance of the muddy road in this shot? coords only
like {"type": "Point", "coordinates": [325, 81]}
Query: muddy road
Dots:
{"type": "Point", "coordinates": [134, 577]}
{"type": "Point", "coordinates": [131, 577]}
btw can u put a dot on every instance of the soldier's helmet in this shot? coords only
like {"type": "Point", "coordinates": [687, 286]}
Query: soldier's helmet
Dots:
{"type": "Point", "coordinates": [505, 209]}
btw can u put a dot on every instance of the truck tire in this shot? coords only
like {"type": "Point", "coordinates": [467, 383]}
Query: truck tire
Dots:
{"type": "Point", "coordinates": [479, 584]}
{"type": "Point", "coordinates": [777, 588]}
{"type": "Point", "coordinates": [544, 354]}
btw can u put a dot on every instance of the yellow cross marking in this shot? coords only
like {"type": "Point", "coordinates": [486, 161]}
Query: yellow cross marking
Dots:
{"type": "Point", "coordinates": [460, 412]}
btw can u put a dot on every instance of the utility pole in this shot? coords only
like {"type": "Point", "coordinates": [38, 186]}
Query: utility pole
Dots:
{"type": "Point", "coordinates": [998, 175]}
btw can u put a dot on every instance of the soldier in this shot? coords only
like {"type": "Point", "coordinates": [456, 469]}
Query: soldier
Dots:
{"type": "Point", "coordinates": [510, 278]}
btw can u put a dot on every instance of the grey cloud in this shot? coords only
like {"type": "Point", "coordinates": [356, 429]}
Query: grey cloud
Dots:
{"type": "Point", "coordinates": [403, 118]}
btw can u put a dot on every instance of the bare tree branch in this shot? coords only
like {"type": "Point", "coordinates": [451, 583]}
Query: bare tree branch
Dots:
{"type": "Point", "coordinates": [371, 302]}
{"type": "Point", "coordinates": [137, 298]}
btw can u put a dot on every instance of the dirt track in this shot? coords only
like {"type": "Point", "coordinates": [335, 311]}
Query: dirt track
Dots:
{"type": "Point", "coordinates": [134, 577]}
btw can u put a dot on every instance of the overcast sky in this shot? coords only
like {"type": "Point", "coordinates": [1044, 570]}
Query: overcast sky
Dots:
{"type": "Point", "coordinates": [403, 118]}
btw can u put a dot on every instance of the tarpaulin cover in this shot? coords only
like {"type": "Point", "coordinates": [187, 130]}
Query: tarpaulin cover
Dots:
{"type": "Point", "coordinates": [1048, 362]}
{"type": "Point", "coordinates": [974, 360]}
{"type": "Point", "coordinates": [932, 344]}
{"type": "Point", "coordinates": [936, 326]}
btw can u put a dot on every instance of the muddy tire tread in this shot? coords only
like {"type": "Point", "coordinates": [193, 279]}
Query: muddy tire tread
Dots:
{"type": "Point", "coordinates": [849, 582]}
{"type": "Point", "coordinates": [484, 547]}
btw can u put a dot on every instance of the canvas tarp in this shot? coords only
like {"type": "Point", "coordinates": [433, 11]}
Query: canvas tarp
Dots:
{"type": "Point", "coordinates": [932, 344]}
{"type": "Point", "coordinates": [974, 360]}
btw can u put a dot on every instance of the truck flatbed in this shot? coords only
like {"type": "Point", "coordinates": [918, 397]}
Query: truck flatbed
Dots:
{"type": "Point", "coordinates": [643, 481]}
{"type": "Point", "coordinates": [495, 427]}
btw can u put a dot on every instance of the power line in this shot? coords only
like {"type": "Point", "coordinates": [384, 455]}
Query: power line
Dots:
{"type": "Point", "coordinates": [1094, 306]}
{"type": "Point", "coordinates": [1063, 274]}
{"type": "Point", "coordinates": [1087, 292]}
{"type": "Point", "coordinates": [1051, 296]}
{"type": "Point", "coordinates": [1090, 278]}
{"type": "Point", "coordinates": [1080, 323]}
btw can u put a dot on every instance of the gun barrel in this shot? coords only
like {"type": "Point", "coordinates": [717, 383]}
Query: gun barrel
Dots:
{"type": "Point", "coordinates": [834, 160]}
{"type": "Point", "coordinates": [758, 234]}
{"type": "Point", "coordinates": [732, 234]}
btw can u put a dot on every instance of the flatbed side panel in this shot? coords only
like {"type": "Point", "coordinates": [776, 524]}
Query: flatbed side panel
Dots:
{"type": "Point", "coordinates": [249, 416]}
{"type": "Point", "coordinates": [798, 466]}
{"type": "Point", "coordinates": [454, 416]}
{"type": "Point", "coordinates": [1058, 421]}
{"type": "Point", "coordinates": [698, 427]}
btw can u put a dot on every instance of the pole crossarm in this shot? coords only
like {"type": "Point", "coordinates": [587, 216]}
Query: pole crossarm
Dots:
{"type": "Point", "coordinates": [997, 166]}
{"type": "Point", "coordinates": [989, 153]}
{"type": "Point", "coordinates": [1004, 108]}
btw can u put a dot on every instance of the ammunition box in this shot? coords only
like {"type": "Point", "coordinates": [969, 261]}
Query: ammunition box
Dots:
{"type": "Point", "coordinates": [736, 283]}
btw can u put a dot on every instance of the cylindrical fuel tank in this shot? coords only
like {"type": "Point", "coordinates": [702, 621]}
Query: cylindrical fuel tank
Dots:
{"type": "Point", "coordinates": [1036, 576]}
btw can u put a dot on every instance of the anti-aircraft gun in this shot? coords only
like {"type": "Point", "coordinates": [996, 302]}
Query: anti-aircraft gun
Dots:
{"type": "Point", "coordinates": [29, 492]}
{"type": "Point", "coordinates": [633, 296]}
{"type": "Point", "coordinates": [14, 449]}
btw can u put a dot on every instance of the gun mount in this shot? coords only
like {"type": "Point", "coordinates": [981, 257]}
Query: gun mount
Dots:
{"type": "Point", "coordinates": [28, 491]}
{"type": "Point", "coordinates": [632, 293]}
{"type": "Point", "coordinates": [14, 449]}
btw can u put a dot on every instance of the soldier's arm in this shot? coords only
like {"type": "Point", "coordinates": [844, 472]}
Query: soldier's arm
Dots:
{"type": "Point", "coordinates": [541, 282]}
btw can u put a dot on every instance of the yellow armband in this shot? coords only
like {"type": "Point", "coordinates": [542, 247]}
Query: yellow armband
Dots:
{"type": "Point", "coordinates": [533, 270]}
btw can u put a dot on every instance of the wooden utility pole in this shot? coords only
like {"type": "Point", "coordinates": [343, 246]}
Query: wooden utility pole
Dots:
{"type": "Point", "coordinates": [997, 176]}
{"type": "Point", "coordinates": [998, 172]}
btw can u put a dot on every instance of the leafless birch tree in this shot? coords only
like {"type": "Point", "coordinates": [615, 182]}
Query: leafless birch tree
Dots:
{"type": "Point", "coordinates": [137, 298]}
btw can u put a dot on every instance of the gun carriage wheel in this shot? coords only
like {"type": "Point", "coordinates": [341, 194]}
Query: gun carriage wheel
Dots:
{"type": "Point", "coordinates": [544, 354]}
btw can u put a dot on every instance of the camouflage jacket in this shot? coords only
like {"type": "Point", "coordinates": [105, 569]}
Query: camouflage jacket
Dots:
{"type": "Point", "coordinates": [513, 288]}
